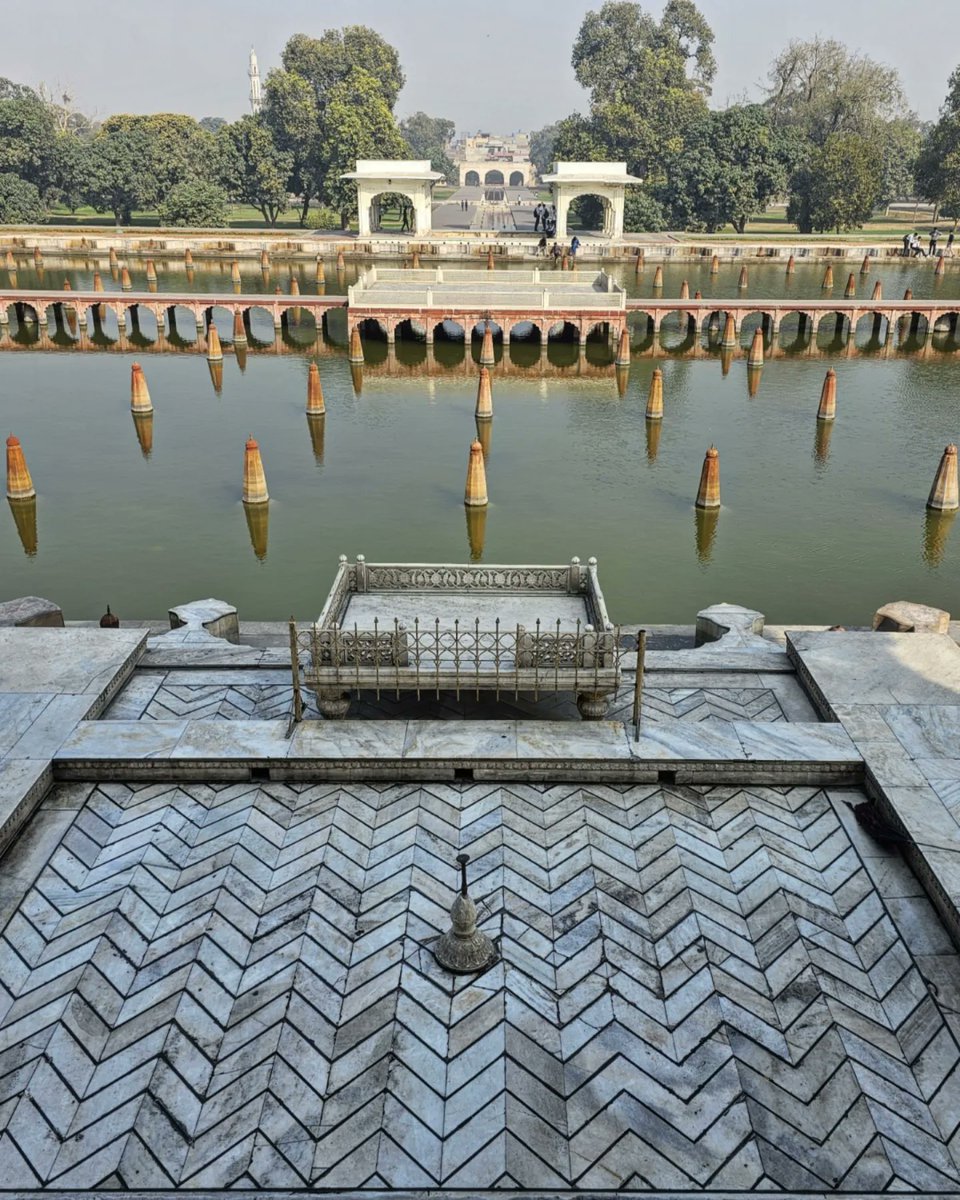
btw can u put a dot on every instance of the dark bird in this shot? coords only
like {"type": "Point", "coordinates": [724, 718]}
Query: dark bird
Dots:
{"type": "Point", "coordinates": [872, 823]}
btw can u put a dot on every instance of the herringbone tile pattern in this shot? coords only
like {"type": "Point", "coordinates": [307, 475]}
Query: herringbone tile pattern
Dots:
{"type": "Point", "coordinates": [267, 701]}
{"type": "Point", "coordinates": [232, 986]}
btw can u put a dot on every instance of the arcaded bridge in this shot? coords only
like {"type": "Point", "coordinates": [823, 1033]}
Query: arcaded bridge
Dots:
{"type": "Point", "coordinates": [393, 302]}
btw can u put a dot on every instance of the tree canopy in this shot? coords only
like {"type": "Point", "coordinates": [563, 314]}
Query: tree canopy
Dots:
{"type": "Point", "coordinates": [20, 202]}
{"type": "Point", "coordinates": [194, 204]}
{"type": "Point", "coordinates": [357, 123]}
{"type": "Point", "coordinates": [428, 137]}
{"type": "Point", "coordinates": [329, 59]}
{"type": "Point", "coordinates": [839, 186]}
{"type": "Point", "coordinates": [938, 163]}
{"type": "Point", "coordinates": [252, 170]}
{"type": "Point", "coordinates": [825, 88]}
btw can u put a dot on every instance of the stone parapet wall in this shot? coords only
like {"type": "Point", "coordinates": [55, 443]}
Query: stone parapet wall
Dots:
{"type": "Point", "coordinates": [96, 241]}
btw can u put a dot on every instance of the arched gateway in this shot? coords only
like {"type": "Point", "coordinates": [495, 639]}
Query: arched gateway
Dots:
{"type": "Point", "coordinates": [606, 180]}
{"type": "Point", "coordinates": [412, 178]}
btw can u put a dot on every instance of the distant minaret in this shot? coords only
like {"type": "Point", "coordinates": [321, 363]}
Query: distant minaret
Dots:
{"type": "Point", "coordinates": [253, 70]}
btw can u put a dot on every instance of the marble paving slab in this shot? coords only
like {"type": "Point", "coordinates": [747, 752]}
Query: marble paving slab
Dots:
{"type": "Point", "coordinates": [348, 739]}
{"type": "Point", "coordinates": [64, 660]}
{"type": "Point", "coordinates": [18, 711]}
{"type": "Point", "coordinates": [52, 726]}
{"type": "Point", "coordinates": [819, 742]}
{"type": "Point", "coordinates": [881, 668]}
{"type": "Point", "coordinates": [462, 739]}
{"type": "Point", "coordinates": [692, 741]}
{"type": "Point", "coordinates": [234, 739]}
{"type": "Point", "coordinates": [123, 739]}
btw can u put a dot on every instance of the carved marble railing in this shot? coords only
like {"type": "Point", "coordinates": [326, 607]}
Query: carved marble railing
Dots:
{"type": "Point", "coordinates": [335, 657]}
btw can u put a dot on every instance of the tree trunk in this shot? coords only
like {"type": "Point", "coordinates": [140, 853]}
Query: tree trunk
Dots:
{"type": "Point", "coordinates": [305, 209]}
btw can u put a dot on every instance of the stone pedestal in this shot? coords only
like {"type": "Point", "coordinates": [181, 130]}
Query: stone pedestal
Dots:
{"type": "Point", "coordinates": [216, 617]}
{"type": "Point", "coordinates": [902, 616]}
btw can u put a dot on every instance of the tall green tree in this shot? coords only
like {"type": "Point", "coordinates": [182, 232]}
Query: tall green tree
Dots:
{"type": "Point", "coordinates": [252, 169]}
{"type": "Point", "coordinates": [11, 90]}
{"type": "Point", "coordinates": [119, 175]}
{"type": "Point", "coordinates": [648, 84]}
{"type": "Point", "coordinates": [329, 59]}
{"type": "Point", "coordinates": [623, 53]}
{"type": "Point", "coordinates": [839, 187]}
{"type": "Point", "coordinates": [899, 143]}
{"type": "Point", "coordinates": [291, 113]}
{"type": "Point", "coordinates": [135, 160]}
{"type": "Point", "coordinates": [938, 163]}
{"type": "Point", "coordinates": [428, 137]}
{"type": "Point", "coordinates": [542, 142]}
{"type": "Point", "coordinates": [733, 163]}
{"type": "Point", "coordinates": [357, 123]}
{"type": "Point", "coordinates": [71, 169]}
{"type": "Point", "coordinates": [27, 141]}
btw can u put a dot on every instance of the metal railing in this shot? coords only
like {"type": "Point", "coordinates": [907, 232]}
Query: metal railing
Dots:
{"type": "Point", "coordinates": [463, 658]}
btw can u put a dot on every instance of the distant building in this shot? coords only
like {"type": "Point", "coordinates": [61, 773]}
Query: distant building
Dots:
{"type": "Point", "coordinates": [488, 158]}
{"type": "Point", "coordinates": [256, 95]}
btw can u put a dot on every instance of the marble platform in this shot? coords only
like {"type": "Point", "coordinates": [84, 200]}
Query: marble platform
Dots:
{"type": "Point", "coordinates": [50, 680]}
{"type": "Point", "coordinates": [898, 697]}
{"type": "Point", "coordinates": [711, 990]}
{"type": "Point", "coordinates": [216, 931]}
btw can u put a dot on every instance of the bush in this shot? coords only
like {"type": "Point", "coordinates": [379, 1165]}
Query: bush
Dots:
{"type": "Point", "coordinates": [20, 202]}
{"type": "Point", "coordinates": [322, 218]}
{"type": "Point", "coordinates": [194, 204]}
{"type": "Point", "coordinates": [642, 213]}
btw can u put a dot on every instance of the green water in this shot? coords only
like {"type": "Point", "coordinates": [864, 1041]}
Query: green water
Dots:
{"type": "Point", "coordinates": [808, 532]}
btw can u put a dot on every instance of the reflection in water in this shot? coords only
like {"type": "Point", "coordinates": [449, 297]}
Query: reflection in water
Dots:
{"type": "Point", "coordinates": [484, 437]}
{"type": "Point", "coordinates": [726, 359]}
{"type": "Point", "coordinates": [476, 529]}
{"type": "Point", "coordinates": [936, 531]}
{"type": "Point", "coordinates": [143, 424]}
{"type": "Point", "coordinates": [317, 427]}
{"type": "Point", "coordinates": [216, 374]}
{"type": "Point", "coordinates": [25, 519]}
{"type": "Point", "coordinates": [240, 353]}
{"type": "Point", "coordinates": [753, 380]}
{"type": "Point", "coordinates": [653, 430]}
{"type": "Point", "coordinates": [356, 375]}
{"type": "Point", "coordinates": [258, 522]}
{"type": "Point", "coordinates": [706, 529]}
{"type": "Point", "coordinates": [623, 378]}
{"type": "Point", "coordinates": [821, 442]}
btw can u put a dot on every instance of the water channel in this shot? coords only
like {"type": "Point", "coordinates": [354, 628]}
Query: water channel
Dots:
{"type": "Point", "coordinates": [816, 526]}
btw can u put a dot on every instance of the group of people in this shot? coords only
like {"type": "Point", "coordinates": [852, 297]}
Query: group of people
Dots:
{"type": "Point", "coordinates": [557, 250]}
{"type": "Point", "coordinates": [912, 247]}
{"type": "Point", "coordinates": [545, 219]}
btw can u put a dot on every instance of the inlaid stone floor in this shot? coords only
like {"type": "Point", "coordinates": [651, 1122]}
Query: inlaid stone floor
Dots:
{"type": "Point", "coordinates": [232, 985]}
{"type": "Point", "coordinates": [240, 695]}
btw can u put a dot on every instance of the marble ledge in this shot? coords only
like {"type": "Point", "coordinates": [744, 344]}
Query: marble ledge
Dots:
{"type": "Point", "coordinates": [675, 741]}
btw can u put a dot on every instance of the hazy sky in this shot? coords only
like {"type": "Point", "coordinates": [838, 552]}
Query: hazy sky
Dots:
{"type": "Point", "coordinates": [501, 65]}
